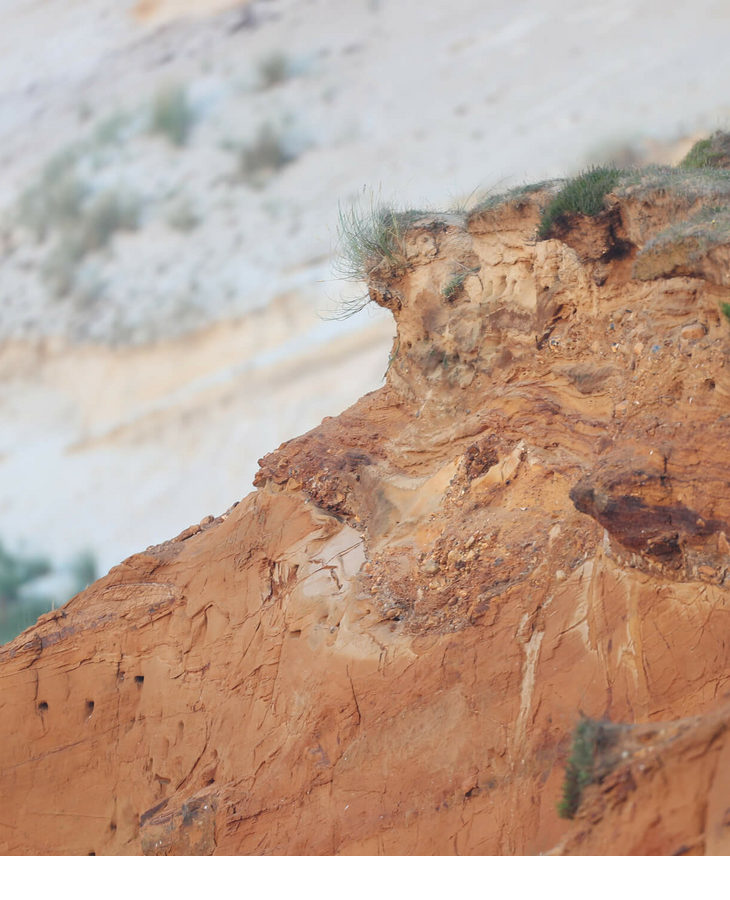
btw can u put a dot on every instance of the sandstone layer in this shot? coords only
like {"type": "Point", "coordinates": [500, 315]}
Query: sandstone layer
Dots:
{"type": "Point", "coordinates": [385, 648]}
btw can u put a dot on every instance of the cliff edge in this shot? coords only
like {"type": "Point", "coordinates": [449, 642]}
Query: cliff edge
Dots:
{"type": "Point", "coordinates": [386, 647]}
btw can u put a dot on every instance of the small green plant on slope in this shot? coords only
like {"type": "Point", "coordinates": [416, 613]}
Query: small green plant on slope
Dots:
{"type": "Point", "coordinates": [455, 284]}
{"type": "Point", "coordinates": [273, 69]}
{"type": "Point", "coordinates": [172, 115]}
{"type": "Point", "coordinates": [55, 199]}
{"type": "Point", "coordinates": [709, 153]}
{"type": "Point", "coordinates": [725, 308]}
{"type": "Point", "coordinates": [583, 194]}
{"type": "Point", "coordinates": [265, 156]}
{"type": "Point", "coordinates": [580, 768]}
{"type": "Point", "coordinates": [91, 231]}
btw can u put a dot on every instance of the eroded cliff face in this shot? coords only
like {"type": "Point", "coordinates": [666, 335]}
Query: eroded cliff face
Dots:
{"type": "Point", "coordinates": [385, 648]}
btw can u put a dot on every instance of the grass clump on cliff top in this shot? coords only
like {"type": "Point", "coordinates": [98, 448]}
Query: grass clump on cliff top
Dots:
{"type": "Point", "coordinates": [709, 153]}
{"type": "Point", "coordinates": [580, 768]}
{"type": "Point", "coordinates": [514, 194]}
{"type": "Point", "coordinates": [583, 194]}
{"type": "Point", "coordinates": [370, 237]}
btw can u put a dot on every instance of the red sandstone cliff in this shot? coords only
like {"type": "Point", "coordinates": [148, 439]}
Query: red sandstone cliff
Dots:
{"type": "Point", "coordinates": [386, 647]}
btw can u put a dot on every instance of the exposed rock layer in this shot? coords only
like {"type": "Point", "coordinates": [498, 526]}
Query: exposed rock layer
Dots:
{"type": "Point", "coordinates": [385, 648]}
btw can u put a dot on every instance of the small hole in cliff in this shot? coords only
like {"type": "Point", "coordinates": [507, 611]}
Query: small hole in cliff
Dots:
{"type": "Point", "coordinates": [211, 780]}
{"type": "Point", "coordinates": [139, 679]}
{"type": "Point", "coordinates": [89, 708]}
{"type": "Point", "coordinates": [472, 792]}
{"type": "Point", "coordinates": [295, 634]}
{"type": "Point", "coordinates": [112, 825]}
{"type": "Point", "coordinates": [91, 854]}
{"type": "Point", "coordinates": [42, 706]}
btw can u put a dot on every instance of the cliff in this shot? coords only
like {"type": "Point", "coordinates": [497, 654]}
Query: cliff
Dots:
{"type": "Point", "coordinates": [386, 647]}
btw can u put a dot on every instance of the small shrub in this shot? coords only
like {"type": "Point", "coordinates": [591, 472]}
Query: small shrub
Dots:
{"type": "Point", "coordinates": [110, 130]}
{"type": "Point", "coordinates": [55, 199]}
{"type": "Point", "coordinates": [725, 309]}
{"type": "Point", "coordinates": [172, 115]}
{"type": "Point", "coordinates": [90, 232]}
{"type": "Point", "coordinates": [106, 214]}
{"type": "Point", "coordinates": [583, 194]}
{"type": "Point", "coordinates": [273, 70]}
{"type": "Point", "coordinates": [183, 217]}
{"type": "Point", "coordinates": [267, 155]}
{"type": "Point", "coordinates": [579, 772]}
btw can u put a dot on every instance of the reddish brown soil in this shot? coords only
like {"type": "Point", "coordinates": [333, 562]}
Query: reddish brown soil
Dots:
{"type": "Point", "coordinates": [386, 647]}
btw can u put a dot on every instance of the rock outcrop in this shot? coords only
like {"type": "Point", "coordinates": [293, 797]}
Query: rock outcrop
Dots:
{"type": "Point", "coordinates": [386, 647]}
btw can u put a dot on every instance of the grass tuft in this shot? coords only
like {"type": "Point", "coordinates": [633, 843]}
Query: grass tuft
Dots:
{"type": "Point", "coordinates": [455, 284]}
{"type": "Point", "coordinates": [267, 155]}
{"type": "Point", "coordinates": [172, 115]}
{"type": "Point", "coordinates": [273, 69]}
{"type": "Point", "coordinates": [579, 772]}
{"type": "Point", "coordinates": [709, 153]}
{"type": "Point", "coordinates": [583, 194]}
{"type": "Point", "coordinates": [371, 237]}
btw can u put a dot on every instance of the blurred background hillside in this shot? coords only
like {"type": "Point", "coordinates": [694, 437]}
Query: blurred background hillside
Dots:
{"type": "Point", "coordinates": [171, 174]}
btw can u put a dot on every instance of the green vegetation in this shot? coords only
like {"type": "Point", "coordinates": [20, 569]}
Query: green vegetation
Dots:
{"type": "Point", "coordinates": [56, 198]}
{"type": "Point", "coordinates": [709, 153]}
{"type": "Point", "coordinates": [455, 284]}
{"type": "Point", "coordinates": [512, 195]}
{"type": "Point", "coordinates": [183, 217]}
{"type": "Point", "coordinates": [90, 232]}
{"type": "Point", "coordinates": [16, 571]}
{"type": "Point", "coordinates": [371, 238]}
{"type": "Point", "coordinates": [265, 156]}
{"type": "Point", "coordinates": [172, 115]}
{"type": "Point", "coordinates": [709, 228]}
{"type": "Point", "coordinates": [579, 772]}
{"type": "Point", "coordinates": [725, 309]}
{"type": "Point", "coordinates": [273, 69]}
{"type": "Point", "coordinates": [19, 605]}
{"type": "Point", "coordinates": [583, 194]}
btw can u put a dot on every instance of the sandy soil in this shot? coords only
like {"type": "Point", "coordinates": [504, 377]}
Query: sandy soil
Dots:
{"type": "Point", "coordinates": [140, 402]}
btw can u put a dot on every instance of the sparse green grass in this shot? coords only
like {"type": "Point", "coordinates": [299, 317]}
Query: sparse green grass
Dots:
{"type": "Point", "coordinates": [183, 217]}
{"type": "Point", "coordinates": [579, 772]}
{"type": "Point", "coordinates": [700, 156]}
{"type": "Point", "coordinates": [55, 199]}
{"type": "Point", "coordinates": [692, 185]}
{"type": "Point", "coordinates": [371, 237]}
{"type": "Point", "coordinates": [583, 194]}
{"type": "Point", "coordinates": [273, 69]}
{"type": "Point", "coordinates": [708, 228]}
{"type": "Point", "coordinates": [172, 115]}
{"type": "Point", "coordinates": [725, 309]}
{"type": "Point", "coordinates": [493, 200]}
{"type": "Point", "coordinates": [455, 284]}
{"type": "Point", "coordinates": [265, 156]}
{"type": "Point", "coordinates": [709, 153]}
{"type": "Point", "coordinates": [91, 231]}
{"type": "Point", "coordinates": [110, 130]}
